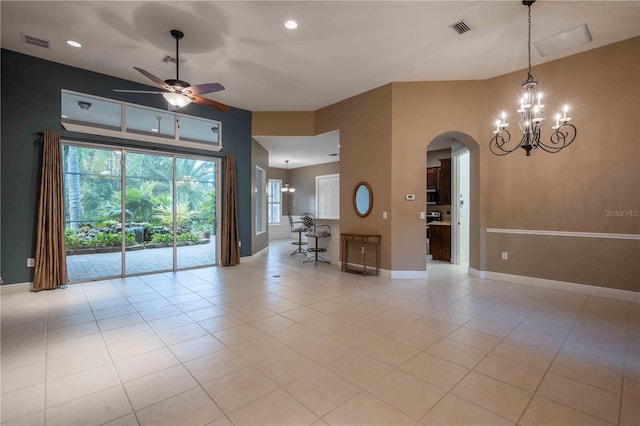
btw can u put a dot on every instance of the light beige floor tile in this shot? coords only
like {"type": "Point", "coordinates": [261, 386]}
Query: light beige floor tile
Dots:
{"type": "Point", "coordinates": [590, 374]}
{"type": "Point", "coordinates": [542, 412]}
{"type": "Point", "coordinates": [239, 388]}
{"type": "Point", "coordinates": [366, 409]}
{"type": "Point", "coordinates": [430, 325]}
{"type": "Point", "coordinates": [193, 407]}
{"type": "Point", "coordinates": [181, 334]}
{"type": "Point", "coordinates": [158, 386]}
{"type": "Point", "coordinates": [324, 350]}
{"type": "Point", "coordinates": [585, 398]}
{"type": "Point", "coordinates": [360, 369]}
{"type": "Point", "coordinates": [22, 402]}
{"type": "Point", "coordinates": [35, 419]}
{"type": "Point", "coordinates": [74, 346]}
{"type": "Point", "coordinates": [71, 332]}
{"type": "Point", "coordinates": [407, 393]}
{"type": "Point", "coordinates": [126, 333]}
{"type": "Point", "coordinates": [223, 322]}
{"type": "Point", "coordinates": [526, 354]}
{"type": "Point", "coordinates": [18, 358]}
{"type": "Point", "coordinates": [272, 323]}
{"type": "Point", "coordinates": [301, 314]}
{"type": "Point", "coordinates": [455, 411]}
{"type": "Point", "coordinates": [631, 386]}
{"type": "Point", "coordinates": [78, 385]}
{"type": "Point", "coordinates": [413, 337]}
{"type": "Point", "coordinates": [326, 306]}
{"type": "Point", "coordinates": [206, 313]}
{"type": "Point", "coordinates": [97, 408]}
{"type": "Point", "coordinates": [389, 351]}
{"type": "Point", "coordinates": [142, 365]}
{"type": "Point", "coordinates": [196, 348]}
{"type": "Point", "coordinates": [260, 349]}
{"type": "Point", "coordinates": [354, 337]}
{"type": "Point", "coordinates": [277, 408]}
{"type": "Point", "coordinates": [128, 420]}
{"type": "Point", "coordinates": [457, 353]}
{"type": "Point", "coordinates": [434, 370]}
{"type": "Point", "coordinates": [22, 377]}
{"type": "Point", "coordinates": [630, 413]}
{"type": "Point", "coordinates": [77, 363]}
{"type": "Point", "coordinates": [523, 376]}
{"type": "Point", "coordinates": [476, 339]}
{"type": "Point", "coordinates": [321, 391]}
{"type": "Point", "coordinates": [238, 335]}
{"type": "Point", "coordinates": [296, 335]}
{"type": "Point", "coordinates": [287, 367]}
{"type": "Point", "coordinates": [495, 328]}
{"type": "Point", "coordinates": [124, 349]}
{"type": "Point", "coordinates": [121, 321]}
{"type": "Point", "coordinates": [495, 396]}
{"type": "Point", "coordinates": [101, 314]}
{"type": "Point", "coordinates": [216, 365]}
{"type": "Point", "coordinates": [535, 339]}
{"type": "Point", "coordinates": [169, 322]}
{"type": "Point", "coordinates": [222, 421]}
{"type": "Point", "coordinates": [595, 354]}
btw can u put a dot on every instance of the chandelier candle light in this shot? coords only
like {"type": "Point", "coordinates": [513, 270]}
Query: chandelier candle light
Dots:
{"type": "Point", "coordinates": [286, 189]}
{"type": "Point", "coordinates": [531, 116]}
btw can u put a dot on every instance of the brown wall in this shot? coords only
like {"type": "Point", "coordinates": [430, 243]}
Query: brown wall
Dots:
{"type": "Point", "coordinates": [384, 134]}
{"type": "Point", "coordinates": [365, 150]}
{"type": "Point", "coordinates": [288, 123]}
{"type": "Point", "coordinates": [303, 179]}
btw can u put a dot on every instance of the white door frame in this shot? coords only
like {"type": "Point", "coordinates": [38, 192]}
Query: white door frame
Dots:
{"type": "Point", "coordinates": [455, 203]}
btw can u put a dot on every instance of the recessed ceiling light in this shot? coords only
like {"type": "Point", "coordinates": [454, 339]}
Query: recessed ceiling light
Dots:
{"type": "Point", "coordinates": [74, 43]}
{"type": "Point", "coordinates": [291, 24]}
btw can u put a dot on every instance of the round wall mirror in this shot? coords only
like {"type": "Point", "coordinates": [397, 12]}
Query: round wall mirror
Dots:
{"type": "Point", "coordinates": [362, 199]}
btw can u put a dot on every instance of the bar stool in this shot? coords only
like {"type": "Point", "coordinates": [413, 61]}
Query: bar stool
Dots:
{"type": "Point", "coordinates": [299, 229]}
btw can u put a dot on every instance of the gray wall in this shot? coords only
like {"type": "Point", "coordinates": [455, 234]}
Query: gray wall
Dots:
{"type": "Point", "coordinates": [303, 179]}
{"type": "Point", "coordinates": [260, 158]}
{"type": "Point", "coordinates": [30, 103]}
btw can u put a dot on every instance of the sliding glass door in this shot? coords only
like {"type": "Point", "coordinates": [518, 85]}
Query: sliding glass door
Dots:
{"type": "Point", "coordinates": [165, 220]}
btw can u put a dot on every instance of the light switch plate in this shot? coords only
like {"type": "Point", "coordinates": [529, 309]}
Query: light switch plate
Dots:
{"type": "Point", "coordinates": [384, 215]}
{"type": "Point", "coordinates": [423, 215]}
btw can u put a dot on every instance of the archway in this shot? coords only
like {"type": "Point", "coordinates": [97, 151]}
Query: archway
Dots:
{"type": "Point", "coordinates": [458, 142]}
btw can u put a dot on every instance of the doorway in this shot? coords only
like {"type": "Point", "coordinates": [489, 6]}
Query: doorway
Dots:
{"type": "Point", "coordinates": [460, 210]}
{"type": "Point", "coordinates": [164, 220]}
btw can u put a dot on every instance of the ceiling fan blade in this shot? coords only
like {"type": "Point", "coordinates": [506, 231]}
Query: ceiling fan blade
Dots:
{"type": "Point", "coordinates": [138, 91]}
{"type": "Point", "coordinates": [209, 103]}
{"type": "Point", "coordinates": [153, 78]}
{"type": "Point", "coordinates": [200, 89]}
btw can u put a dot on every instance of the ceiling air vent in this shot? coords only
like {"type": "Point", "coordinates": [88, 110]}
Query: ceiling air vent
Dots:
{"type": "Point", "coordinates": [36, 41]}
{"type": "Point", "coordinates": [461, 27]}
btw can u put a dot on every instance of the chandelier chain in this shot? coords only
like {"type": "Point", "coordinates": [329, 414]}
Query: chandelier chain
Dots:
{"type": "Point", "coordinates": [529, 75]}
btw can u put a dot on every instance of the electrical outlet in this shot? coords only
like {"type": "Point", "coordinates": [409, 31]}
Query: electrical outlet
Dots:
{"type": "Point", "coordinates": [362, 249]}
{"type": "Point", "coordinates": [31, 262]}
{"type": "Point", "coordinates": [239, 243]}
{"type": "Point", "coordinates": [423, 215]}
{"type": "Point", "coordinates": [384, 215]}
{"type": "Point", "coordinates": [505, 255]}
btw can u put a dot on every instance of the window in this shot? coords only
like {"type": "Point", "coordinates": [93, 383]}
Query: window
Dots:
{"type": "Point", "coordinates": [99, 116]}
{"type": "Point", "coordinates": [274, 201]}
{"type": "Point", "coordinates": [328, 196]}
{"type": "Point", "coordinates": [261, 217]}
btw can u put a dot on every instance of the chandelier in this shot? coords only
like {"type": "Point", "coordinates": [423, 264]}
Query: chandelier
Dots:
{"type": "Point", "coordinates": [531, 116]}
{"type": "Point", "coordinates": [286, 189]}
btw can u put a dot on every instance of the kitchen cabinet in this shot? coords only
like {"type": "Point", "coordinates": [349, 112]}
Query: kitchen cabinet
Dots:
{"type": "Point", "coordinates": [444, 182]}
{"type": "Point", "coordinates": [440, 242]}
{"type": "Point", "coordinates": [432, 178]}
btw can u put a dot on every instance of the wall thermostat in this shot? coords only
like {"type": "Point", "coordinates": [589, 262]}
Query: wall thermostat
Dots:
{"type": "Point", "coordinates": [410, 197]}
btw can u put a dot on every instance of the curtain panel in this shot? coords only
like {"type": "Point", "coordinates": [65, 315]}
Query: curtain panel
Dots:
{"type": "Point", "coordinates": [230, 250]}
{"type": "Point", "coordinates": [50, 258]}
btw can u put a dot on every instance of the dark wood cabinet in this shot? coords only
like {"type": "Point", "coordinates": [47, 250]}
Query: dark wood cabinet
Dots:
{"type": "Point", "coordinates": [444, 182]}
{"type": "Point", "coordinates": [432, 178]}
{"type": "Point", "coordinates": [440, 242]}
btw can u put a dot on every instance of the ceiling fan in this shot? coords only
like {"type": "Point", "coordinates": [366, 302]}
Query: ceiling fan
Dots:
{"type": "Point", "coordinates": [178, 92]}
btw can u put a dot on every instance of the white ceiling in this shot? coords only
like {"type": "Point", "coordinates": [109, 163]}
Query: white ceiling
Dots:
{"type": "Point", "coordinates": [301, 151]}
{"type": "Point", "coordinates": [340, 49]}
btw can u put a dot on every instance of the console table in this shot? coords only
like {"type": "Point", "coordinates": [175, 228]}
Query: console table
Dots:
{"type": "Point", "coordinates": [365, 242]}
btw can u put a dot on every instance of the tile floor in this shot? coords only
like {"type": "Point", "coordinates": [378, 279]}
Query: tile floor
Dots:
{"type": "Point", "coordinates": [272, 341]}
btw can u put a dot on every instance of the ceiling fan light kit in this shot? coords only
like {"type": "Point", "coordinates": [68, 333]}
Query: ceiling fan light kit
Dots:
{"type": "Point", "coordinates": [179, 93]}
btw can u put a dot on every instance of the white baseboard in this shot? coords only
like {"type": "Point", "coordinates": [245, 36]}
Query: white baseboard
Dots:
{"type": "Point", "coordinates": [254, 256]}
{"type": "Point", "coordinates": [407, 275]}
{"type": "Point", "coordinates": [612, 293]}
{"type": "Point", "coordinates": [8, 288]}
